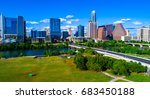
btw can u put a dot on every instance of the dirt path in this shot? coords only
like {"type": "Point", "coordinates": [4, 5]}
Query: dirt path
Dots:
{"type": "Point", "coordinates": [115, 78]}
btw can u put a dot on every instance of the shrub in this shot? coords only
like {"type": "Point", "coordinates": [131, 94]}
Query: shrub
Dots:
{"type": "Point", "coordinates": [120, 68]}
{"type": "Point", "coordinates": [71, 52]}
{"type": "Point", "coordinates": [80, 62]}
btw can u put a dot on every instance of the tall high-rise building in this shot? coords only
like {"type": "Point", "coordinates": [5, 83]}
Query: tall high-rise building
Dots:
{"type": "Point", "coordinates": [21, 29]}
{"type": "Point", "coordinates": [81, 31]}
{"type": "Point", "coordinates": [92, 26]}
{"type": "Point", "coordinates": [93, 16]}
{"type": "Point", "coordinates": [89, 31]}
{"type": "Point", "coordinates": [144, 34]}
{"type": "Point", "coordinates": [70, 32]}
{"type": "Point", "coordinates": [55, 31]}
{"type": "Point", "coordinates": [101, 33]}
{"type": "Point", "coordinates": [2, 24]}
{"type": "Point", "coordinates": [118, 31]}
{"type": "Point", "coordinates": [12, 29]}
{"type": "Point", "coordinates": [109, 29]}
{"type": "Point", "coordinates": [92, 30]}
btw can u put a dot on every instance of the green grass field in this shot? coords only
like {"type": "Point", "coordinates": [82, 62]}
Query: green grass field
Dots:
{"type": "Point", "coordinates": [120, 81]}
{"type": "Point", "coordinates": [47, 69]}
{"type": "Point", "coordinates": [134, 77]}
{"type": "Point", "coordinates": [139, 77]}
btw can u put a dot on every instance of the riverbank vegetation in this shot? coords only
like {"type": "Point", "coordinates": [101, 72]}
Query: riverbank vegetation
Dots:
{"type": "Point", "coordinates": [97, 62]}
{"type": "Point", "coordinates": [32, 46]}
{"type": "Point", "coordinates": [118, 46]}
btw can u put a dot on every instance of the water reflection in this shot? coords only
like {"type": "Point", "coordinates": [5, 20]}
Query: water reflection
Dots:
{"type": "Point", "coordinates": [38, 52]}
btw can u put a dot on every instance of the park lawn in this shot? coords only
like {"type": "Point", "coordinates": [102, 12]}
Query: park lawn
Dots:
{"type": "Point", "coordinates": [46, 69]}
{"type": "Point", "coordinates": [120, 81]}
{"type": "Point", "coordinates": [136, 77]}
{"type": "Point", "coordinates": [139, 77]}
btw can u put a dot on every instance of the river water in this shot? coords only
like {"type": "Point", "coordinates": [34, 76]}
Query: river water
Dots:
{"type": "Point", "coordinates": [39, 52]}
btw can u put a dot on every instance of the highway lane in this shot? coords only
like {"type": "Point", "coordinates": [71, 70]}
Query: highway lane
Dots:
{"type": "Point", "coordinates": [142, 60]}
{"type": "Point", "coordinates": [147, 61]}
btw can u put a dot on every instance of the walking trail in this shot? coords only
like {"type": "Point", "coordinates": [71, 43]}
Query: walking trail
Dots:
{"type": "Point", "coordinates": [115, 78]}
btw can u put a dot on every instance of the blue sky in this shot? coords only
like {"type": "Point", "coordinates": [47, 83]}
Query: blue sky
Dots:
{"type": "Point", "coordinates": [132, 13]}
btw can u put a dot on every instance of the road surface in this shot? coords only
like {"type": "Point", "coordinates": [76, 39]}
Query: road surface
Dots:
{"type": "Point", "coordinates": [143, 61]}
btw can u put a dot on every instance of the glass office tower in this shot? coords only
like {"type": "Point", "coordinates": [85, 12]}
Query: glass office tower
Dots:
{"type": "Point", "coordinates": [12, 29]}
{"type": "Point", "coordinates": [2, 23]}
{"type": "Point", "coordinates": [81, 31]}
{"type": "Point", "coordinates": [55, 31]}
{"type": "Point", "coordinates": [93, 16]}
{"type": "Point", "coordinates": [20, 29]}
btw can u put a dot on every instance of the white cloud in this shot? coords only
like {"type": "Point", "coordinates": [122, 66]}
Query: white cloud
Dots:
{"type": "Point", "coordinates": [122, 20]}
{"type": "Point", "coordinates": [45, 20]}
{"type": "Point", "coordinates": [32, 22]}
{"type": "Point", "coordinates": [47, 27]}
{"type": "Point", "coordinates": [127, 19]}
{"type": "Point", "coordinates": [118, 22]}
{"type": "Point", "coordinates": [69, 16]}
{"type": "Point", "coordinates": [69, 22]}
{"type": "Point", "coordinates": [75, 20]}
{"type": "Point", "coordinates": [137, 23]}
{"type": "Point", "coordinates": [73, 27]}
{"type": "Point", "coordinates": [62, 20]}
{"type": "Point", "coordinates": [28, 29]}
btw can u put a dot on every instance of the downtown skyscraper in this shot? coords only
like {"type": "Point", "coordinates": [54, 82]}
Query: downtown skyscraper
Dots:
{"type": "Point", "coordinates": [12, 29]}
{"type": "Point", "coordinates": [92, 26]}
{"type": "Point", "coordinates": [81, 31]}
{"type": "Point", "coordinates": [55, 31]}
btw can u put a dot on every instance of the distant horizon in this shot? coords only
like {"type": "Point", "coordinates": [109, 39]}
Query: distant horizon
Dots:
{"type": "Point", "coordinates": [133, 14]}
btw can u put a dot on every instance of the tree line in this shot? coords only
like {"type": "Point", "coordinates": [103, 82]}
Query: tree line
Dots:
{"type": "Point", "coordinates": [27, 46]}
{"type": "Point", "coordinates": [102, 63]}
{"type": "Point", "coordinates": [117, 46]}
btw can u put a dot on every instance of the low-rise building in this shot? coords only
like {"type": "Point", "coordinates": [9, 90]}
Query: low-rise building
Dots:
{"type": "Point", "coordinates": [38, 36]}
{"type": "Point", "coordinates": [126, 38]}
{"type": "Point", "coordinates": [144, 34]}
{"type": "Point", "coordinates": [119, 31]}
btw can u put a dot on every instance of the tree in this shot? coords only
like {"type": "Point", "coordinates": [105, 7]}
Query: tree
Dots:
{"type": "Point", "coordinates": [90, 51]}
{"type": "Point", "coordinates": [71, 52]}
{"type": "Point", "coordinates": [119, 68]}
{"type": "Point", "coordinates": [81, 50]}
{"type": "Point", "coordinates": [93, 65]}
{"type": "Point", "coordinates": [80, 62]}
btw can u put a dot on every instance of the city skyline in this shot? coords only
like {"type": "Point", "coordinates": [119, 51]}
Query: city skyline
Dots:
{"type": "Point", "coordinates": [74, 13]}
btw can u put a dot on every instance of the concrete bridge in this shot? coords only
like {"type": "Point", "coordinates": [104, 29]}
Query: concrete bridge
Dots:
{"type": "Point", "coordinates": [139, 44]}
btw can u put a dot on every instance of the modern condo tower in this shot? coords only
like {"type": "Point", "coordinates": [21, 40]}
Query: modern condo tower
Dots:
{"type": "Point", "coordinates": [105, 32]}
{"type": "Point", "coordinates": [144, 34]}
{"type": "Point", "coordinates": [109, 29]}
{"type": "Point", "coordinates": [93, 16]}
{"type": "Point", "coordinates": [55, 31]}
{"type": "Point", "coordinates": [12, 29]}
{"type": "Point", "coordinates": [92, 26]}
{"type": "Point", "coordinates": [1, 27]}
{"type": "Point", "coordinates": [81, 31]}
{"type": "Point", "coordinates": [101, 33]}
